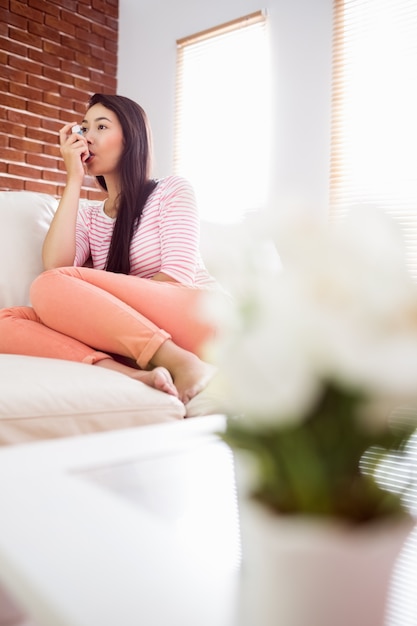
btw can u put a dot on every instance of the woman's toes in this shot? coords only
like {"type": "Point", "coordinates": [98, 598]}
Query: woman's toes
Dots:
{"type": "Point", "coordinates": [162, 380]}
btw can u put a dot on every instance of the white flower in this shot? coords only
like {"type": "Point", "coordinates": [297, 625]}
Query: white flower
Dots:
{"type": "Point", "coordinates": [265, 366]}
{"type": "Point", "coordinates": [344, 308]}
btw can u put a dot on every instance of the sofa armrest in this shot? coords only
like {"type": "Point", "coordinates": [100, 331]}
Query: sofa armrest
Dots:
{"type": "Point", "coordinates": [25, 217]}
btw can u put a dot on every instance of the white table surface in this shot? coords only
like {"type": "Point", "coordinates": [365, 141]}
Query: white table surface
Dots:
{"type": "Point", "coordinates": [134, 527]}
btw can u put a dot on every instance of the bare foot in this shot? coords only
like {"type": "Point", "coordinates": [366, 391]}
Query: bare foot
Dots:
{"type": "Point", "coordinates": [191, 378]}
{"type": "Point", "coordinates": [189, 373]}
{"type": "Point", "coordinates": [158, 378]}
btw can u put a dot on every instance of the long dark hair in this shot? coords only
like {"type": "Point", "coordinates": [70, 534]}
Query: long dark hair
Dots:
{"type": "Point", "coordinates": [135, 182]}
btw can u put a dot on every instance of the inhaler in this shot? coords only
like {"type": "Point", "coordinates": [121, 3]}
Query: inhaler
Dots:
{"type": "Point", "coordinates": [77, 129]}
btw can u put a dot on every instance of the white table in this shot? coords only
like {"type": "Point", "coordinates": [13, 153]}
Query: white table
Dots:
{"type": "Point", "coordinates": [135, 527]}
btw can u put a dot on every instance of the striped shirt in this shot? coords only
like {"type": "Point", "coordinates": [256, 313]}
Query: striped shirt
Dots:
{"type": "Point", "coordinates": [167, 239]}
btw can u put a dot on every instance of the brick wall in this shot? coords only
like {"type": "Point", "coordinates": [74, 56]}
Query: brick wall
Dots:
{"type": "Point", "coordinates": [53, 55]}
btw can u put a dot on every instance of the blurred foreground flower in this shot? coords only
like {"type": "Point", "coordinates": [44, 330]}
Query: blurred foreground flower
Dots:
{"type": "Point", "coordinates": [315, 356]}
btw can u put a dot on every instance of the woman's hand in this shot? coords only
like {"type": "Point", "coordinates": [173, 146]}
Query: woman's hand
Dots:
{"type": "Point", "coordinates": [74, 150]}
{"type": "Point", "coordinates": [59, 245]}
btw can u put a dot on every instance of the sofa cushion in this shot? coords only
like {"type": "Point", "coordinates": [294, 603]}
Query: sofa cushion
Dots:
{"type": "Point", "coordinates": [47, 398]}
{"type": "Point", "coordinates": [24, 217]}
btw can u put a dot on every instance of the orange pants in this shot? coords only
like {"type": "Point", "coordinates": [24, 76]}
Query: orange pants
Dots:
{"type": "Point", "coordinates": [83, 314]}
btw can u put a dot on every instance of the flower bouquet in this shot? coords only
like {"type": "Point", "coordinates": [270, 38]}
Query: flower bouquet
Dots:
{"type": "Point", "coordinates": [318, 375]}
{"type": "Point", "coordinates": [318, 354]}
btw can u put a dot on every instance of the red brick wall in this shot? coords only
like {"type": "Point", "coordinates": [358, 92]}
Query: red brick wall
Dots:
{"type": "Point", "coordinates": [53, 55]}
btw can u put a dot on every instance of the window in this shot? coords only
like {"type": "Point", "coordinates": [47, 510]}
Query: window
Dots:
{"type": "Point", "coordinates": [223, 117]}
{"type": "Point", "coordinates": [374, 148]}
{"type": "Point", "coordinates": [374, 161]}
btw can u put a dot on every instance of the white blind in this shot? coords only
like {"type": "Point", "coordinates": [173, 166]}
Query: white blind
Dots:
{"type": "Point", "coordinates": [223, 113]}
{"type": "Point", "coordinates": [374, 125]}
{"type": "Point", "coordinates": [374, 161]}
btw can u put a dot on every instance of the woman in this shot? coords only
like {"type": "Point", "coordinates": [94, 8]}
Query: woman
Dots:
{"type": "Point", "coordinates": [137, 309]}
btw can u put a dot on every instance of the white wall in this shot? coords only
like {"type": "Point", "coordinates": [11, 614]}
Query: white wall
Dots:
{"type": "Point", "coordinates": [301, 36]}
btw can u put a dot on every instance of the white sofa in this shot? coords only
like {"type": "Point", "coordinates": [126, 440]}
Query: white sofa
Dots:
{"type": "Point", "coordinates": [46, 398]}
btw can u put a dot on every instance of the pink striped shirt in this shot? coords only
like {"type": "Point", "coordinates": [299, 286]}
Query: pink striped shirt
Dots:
{"type": "Point", "coordinates": [167, 239]}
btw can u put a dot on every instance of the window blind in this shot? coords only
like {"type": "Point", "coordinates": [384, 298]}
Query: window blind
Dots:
{"type": "Point", "coordinates": [223, 112]}
{"type": "Point", "coordinates": [374, 122]}
{"type": "Point", "coordinates": [374, 161]}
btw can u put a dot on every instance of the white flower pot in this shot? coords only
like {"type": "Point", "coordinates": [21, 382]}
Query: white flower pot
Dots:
{"type": "Point", "coordinates": [298, 571]}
